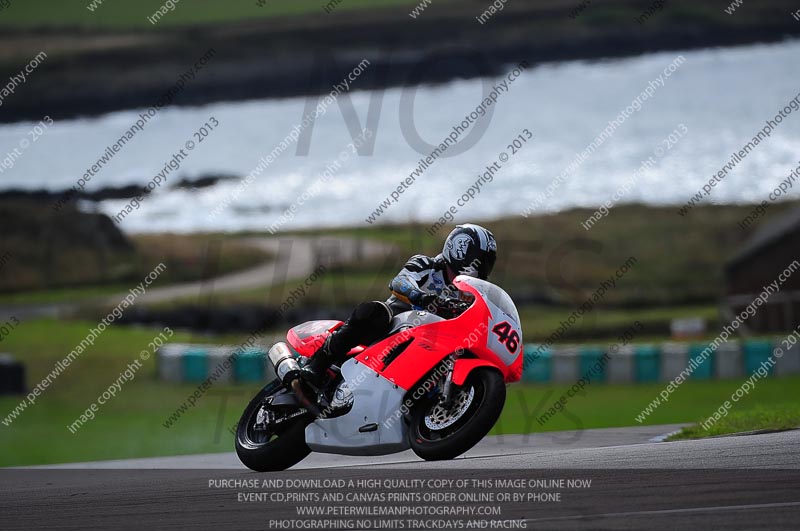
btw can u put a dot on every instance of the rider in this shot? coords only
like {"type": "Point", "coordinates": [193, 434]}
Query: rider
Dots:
{"type": "Point", "coordinates": [468, 250]}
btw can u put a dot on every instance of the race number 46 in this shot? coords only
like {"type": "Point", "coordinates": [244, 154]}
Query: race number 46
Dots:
{"type": "Point", "coordinates": [507, 336]}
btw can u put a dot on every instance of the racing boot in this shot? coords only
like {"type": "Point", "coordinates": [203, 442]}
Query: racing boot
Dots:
{"type": "Point", "coordinates": [333, 351]}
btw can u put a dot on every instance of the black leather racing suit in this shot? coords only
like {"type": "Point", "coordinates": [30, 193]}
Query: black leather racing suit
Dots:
{"type": "Point", "coordinates": [420, 276]}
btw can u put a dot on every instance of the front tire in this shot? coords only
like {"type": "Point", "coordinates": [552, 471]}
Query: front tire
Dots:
{"type": "Point", "coordinates": [439, 433]}
{"type": "Point", "coordinates": [273, 449]}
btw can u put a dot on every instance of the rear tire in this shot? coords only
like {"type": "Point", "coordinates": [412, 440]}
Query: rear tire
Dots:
{"type": "Point", "coordinates": [279, 450]}
{"type": "Point", "coordinates": [437, 434]}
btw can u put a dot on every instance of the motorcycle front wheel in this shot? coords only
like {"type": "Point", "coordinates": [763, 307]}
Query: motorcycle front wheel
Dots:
{"type": "Point", "coordinates": [440, 431]}
{"type": "Point", "coordinates": [270, 447]}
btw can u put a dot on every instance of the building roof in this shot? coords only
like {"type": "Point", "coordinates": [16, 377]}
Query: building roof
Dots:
{"type": "Point", "coordinates": [766, 236]}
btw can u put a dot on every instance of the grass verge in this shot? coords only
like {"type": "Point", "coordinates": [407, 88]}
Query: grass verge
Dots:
{"type": "Point", "coordinates": [778, 417]}
{"type": "Point", "coordinates": [615, 405]}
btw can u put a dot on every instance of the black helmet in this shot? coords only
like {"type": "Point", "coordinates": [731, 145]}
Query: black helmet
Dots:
{"type": "Point", "coordinates": [470, 250]}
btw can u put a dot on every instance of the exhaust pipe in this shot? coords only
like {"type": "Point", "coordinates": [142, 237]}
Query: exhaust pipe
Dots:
{"type": "Point", "coordinates": [288, 371]}
{"type": "Point", "coordinates": [284, 362]}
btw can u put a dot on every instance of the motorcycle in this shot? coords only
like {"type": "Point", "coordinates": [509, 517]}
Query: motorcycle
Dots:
{"type": "Point", "coordinates": [434, 384]}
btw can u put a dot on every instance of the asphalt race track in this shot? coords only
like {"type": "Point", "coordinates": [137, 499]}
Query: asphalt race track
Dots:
{"type": "Point", "coordinates": [738, 482]}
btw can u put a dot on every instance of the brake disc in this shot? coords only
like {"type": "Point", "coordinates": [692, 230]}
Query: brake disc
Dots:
{"type": "Point", "coordinates": [440, 417]}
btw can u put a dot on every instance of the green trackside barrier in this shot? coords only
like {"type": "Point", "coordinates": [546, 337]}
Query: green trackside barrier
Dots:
{"type": "Point", "coordinates": [647, 363]}
{"type": "Point", "coordinates": [538, 369]}
{"type": "Point", "coordinates": [195, 365]}
{"type": "Point", "coordinates": [754, 354]}
{"type": "Point", "coordinates": [588, 358]}
{"type": "Point", "coordinates": [705, 370]}
{"type": "Point", "coordinates": [249, 366]}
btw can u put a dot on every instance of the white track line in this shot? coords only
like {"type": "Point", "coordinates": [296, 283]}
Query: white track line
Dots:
{"type": "Point", "coordinates": [664, 437]}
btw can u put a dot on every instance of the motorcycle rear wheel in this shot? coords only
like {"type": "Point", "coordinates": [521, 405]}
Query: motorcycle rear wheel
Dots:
{"type": "Point", "coordinates": [274, 449]}
{"type": "Point", "coordinates": [438, 433]}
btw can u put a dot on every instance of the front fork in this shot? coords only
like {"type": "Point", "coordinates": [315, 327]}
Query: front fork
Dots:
{"type": "Point", "coordinates": [447, 385]}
